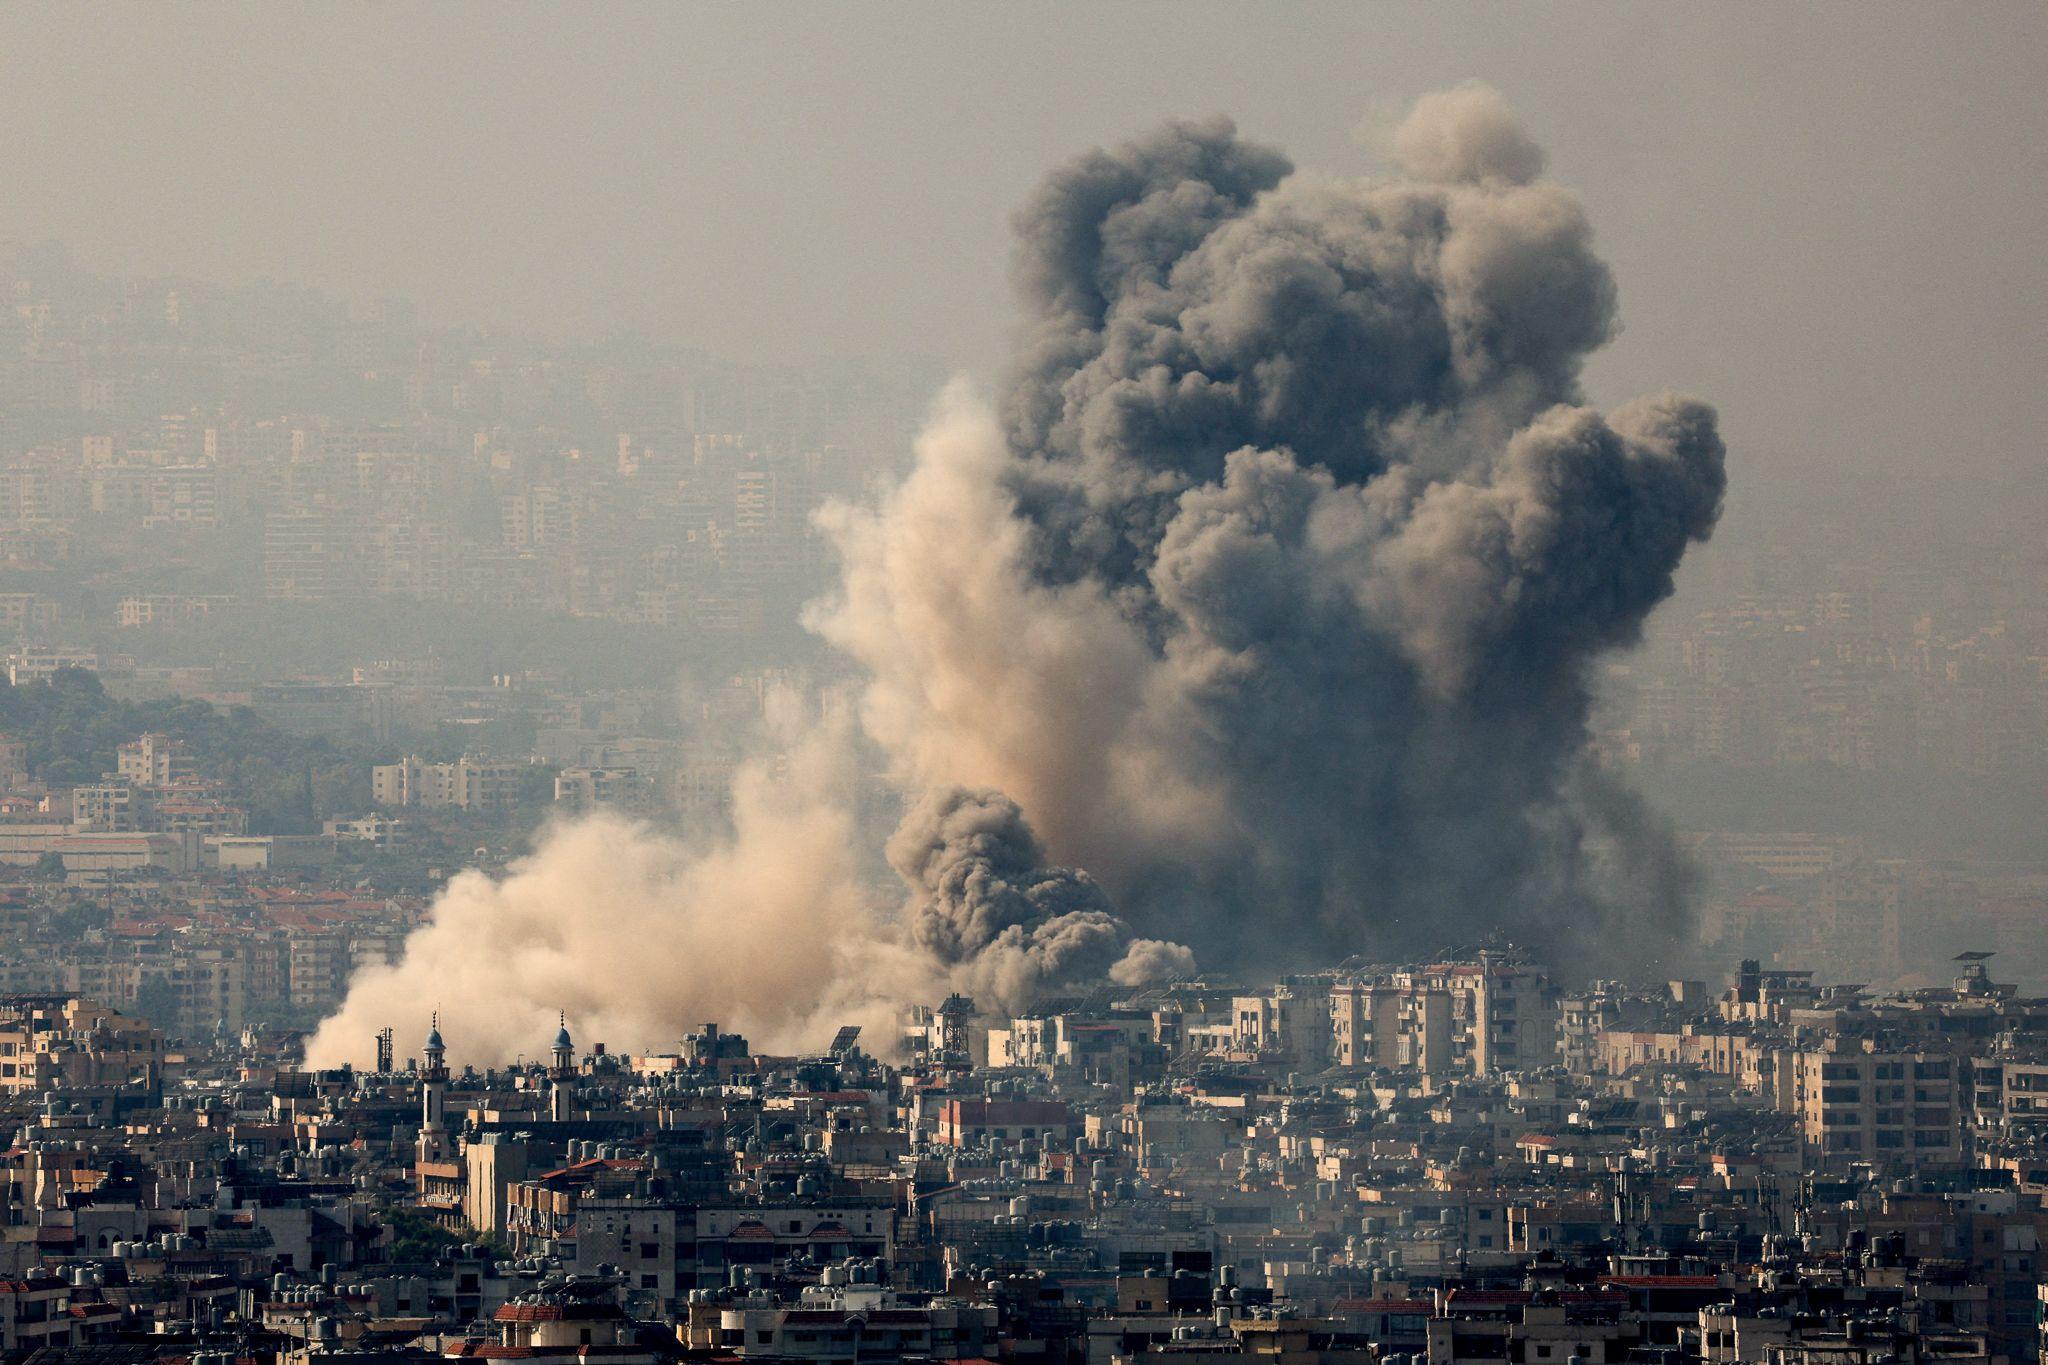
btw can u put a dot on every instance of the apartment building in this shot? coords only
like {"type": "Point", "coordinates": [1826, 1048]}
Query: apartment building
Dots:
{"type": "Point", "coordinates": [469, 783]}
{"type": "Point", "coordinates": [1856, 1101]}
{"type": "Point", "coordinates": [1384, 1024]}
{"type": "Point", "coordinates": [155, 760]}
{"type": "Point", "coordinates": [1289, 1021]}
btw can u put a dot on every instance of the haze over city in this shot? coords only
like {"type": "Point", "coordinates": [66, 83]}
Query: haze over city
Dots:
{"type": "Point", "coordinates": [918, 682]}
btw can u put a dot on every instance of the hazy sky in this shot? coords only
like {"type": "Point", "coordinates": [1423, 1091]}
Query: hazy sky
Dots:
{"type": "Point", "coordinates": [1827, 218]}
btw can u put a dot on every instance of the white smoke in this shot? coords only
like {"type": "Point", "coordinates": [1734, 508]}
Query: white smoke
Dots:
{"type": "Point", "coordinates": [639, 935]}
{"type": "Point", "coordinates": [769, 929]}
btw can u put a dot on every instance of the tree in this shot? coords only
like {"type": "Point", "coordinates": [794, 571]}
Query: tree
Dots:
{"type": "Point", "coordinates": [416, 1237]}
{"type": "Point", "coordinates": [156, 1000]}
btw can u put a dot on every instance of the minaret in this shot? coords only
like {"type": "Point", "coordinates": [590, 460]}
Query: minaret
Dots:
{"type": "Point", "coordinates": [433, 1144]}
{"type": "Point", "coordinates": [562, 1075]}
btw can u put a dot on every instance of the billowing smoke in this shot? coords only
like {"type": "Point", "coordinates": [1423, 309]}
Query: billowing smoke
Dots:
{"type": "Point", "coordinates": [1149, 961]}
{"type": "Point", "coordinates": [639, 935]}
{"type": "Point", "coordinates": [985, 902]}
{"type": "Point", "coordinates": [769, 929]}
{"type": "Point", "coordinates": [1267, 592]}
{"type": "Point", "coordinates": [1269, 588]}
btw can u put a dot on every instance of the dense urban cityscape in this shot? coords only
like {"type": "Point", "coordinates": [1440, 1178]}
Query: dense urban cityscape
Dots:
{"type": "Point", "coordinates": [1461, 1159]}
{"type": "Point", "coordinates": [700, 793]}
{"type": "Point", "coordinates": [180, 801]}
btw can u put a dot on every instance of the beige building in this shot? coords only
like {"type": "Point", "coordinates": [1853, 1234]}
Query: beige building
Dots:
{"type": "Point", "coordinates": [52, 1041]}
{"type": "Point", "coordinates": [110, 807]}
{"type": "Point", "coordinates": [1383, 1024]}
{"type": "Point", "coordinates": [1857, 1102]}
{"type": "Point", "coordinates": [154, 760]}
{"type": "Point", "coordinates": [1486, 1017]}
{"type": "Point", "coordinates": [588, 787]}
{"type": "Point", "coordinates": [469, 783]}
{"type": "Point", "coordinates": [35, 1313]}
{"type": "Point", "coordinates": [24, 841]}
{"type": "Point", "coordinates": [1290, 1021]}
{"type": "Point", "coordinates": [495, 1162]}
{"type": "Point", "coordinates": [93, 855]}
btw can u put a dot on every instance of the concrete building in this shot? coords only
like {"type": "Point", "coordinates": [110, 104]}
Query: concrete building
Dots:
{"type": "Point", "coordinates": [155, 760]}
{"type": "Point", "coordinates": [1389, 1024]}
{"type": "Point", "coordinates": [1857, 1101]}
{"type": "Point", "coordinates": [93, 856]}
{"type": "Point", "coordinates": [469, 783]}
{"type": "Point", "coordinates": [264, 852]}
{"type": "Point", "coordinates": [1291, 1022]}
{"type": "Point", "coordinates": [114, 806]}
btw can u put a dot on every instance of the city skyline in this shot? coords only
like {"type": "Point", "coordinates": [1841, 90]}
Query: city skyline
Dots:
{"type": "Point", "coordinates": [744, 685]}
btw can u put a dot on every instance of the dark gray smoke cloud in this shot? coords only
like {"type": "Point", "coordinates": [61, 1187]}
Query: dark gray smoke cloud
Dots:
{"type": "Point", "coordinates": [1270, 589]}
{"type": "Point", "coordinates": [1268, 595]}
{"type": "Point", "coordinates": [985, 903]}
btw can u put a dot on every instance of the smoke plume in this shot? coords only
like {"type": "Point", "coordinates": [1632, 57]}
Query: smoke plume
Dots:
{"type": "Point", "coordinates": [1266, 591]}
{"type": "Point", "coordinates": [638, 935]}
{"type": "Point", "coordinates": [1269, 587]}
{"type": "Point", "coordinates": [769, 928]}
{"type": "Point", "coordinates": [984, 901]}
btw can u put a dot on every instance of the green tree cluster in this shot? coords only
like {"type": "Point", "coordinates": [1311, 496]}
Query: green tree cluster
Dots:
{"type": "Point", "coordinates": [71, 727]}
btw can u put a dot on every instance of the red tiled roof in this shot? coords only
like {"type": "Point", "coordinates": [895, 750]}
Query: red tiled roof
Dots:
{"type": "Point", "coordinates": [592, 1167]}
